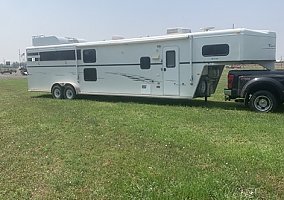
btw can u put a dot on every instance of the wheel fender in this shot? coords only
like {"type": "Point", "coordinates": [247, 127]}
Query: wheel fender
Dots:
{"type": "Point", "coordinates": [262, 81]}
{"type": "Point", "coordinates": [75, 85]}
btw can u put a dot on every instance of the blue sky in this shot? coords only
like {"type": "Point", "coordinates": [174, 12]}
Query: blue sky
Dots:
{"type": "Point", "coordinates": [101, 19]}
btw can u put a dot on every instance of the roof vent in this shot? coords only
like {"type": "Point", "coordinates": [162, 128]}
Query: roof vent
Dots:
{"type": "Point", "coordinates": [178, 31]}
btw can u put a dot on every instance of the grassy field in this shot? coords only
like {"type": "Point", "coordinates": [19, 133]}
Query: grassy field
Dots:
{"type": "Point", "coordinates": [127, 148]}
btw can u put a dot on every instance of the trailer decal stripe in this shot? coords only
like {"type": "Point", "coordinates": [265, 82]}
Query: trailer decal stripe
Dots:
{"type": "Point", "coordinates": [51, 66]}
{"type": "Point", "coordinates": [234, 62]}
{"type": "Point", "coordinates": [117, 65]}
{"type": "Point", "coordinates": [135, 77]}
{"type": "Point", "coordinates": [184, 63]}
{"type": "Point", "coordinates": [108, 65]}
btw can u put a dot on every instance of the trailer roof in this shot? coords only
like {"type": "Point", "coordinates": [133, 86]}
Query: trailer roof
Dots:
{"type": "Point", "coordinates": [163, 38]}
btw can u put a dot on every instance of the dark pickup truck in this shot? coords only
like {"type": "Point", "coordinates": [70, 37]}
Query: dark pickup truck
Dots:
{"type": "Point", "coordinates": [261, 90]}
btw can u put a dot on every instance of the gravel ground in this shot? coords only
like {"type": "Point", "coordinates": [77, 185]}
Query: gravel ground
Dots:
{"type": "Point", "coordinates": [12, 76]}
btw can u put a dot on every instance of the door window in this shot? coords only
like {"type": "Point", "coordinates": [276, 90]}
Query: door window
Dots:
{"type": "Point", "coordinates": [171, 59]}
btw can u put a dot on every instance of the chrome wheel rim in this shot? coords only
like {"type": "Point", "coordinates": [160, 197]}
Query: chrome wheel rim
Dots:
{"type": "Point", "coordinates": [57, 93]}
{"type": "Point", "coordinates": [69, 94]}
{"type": "Point", "coordinates": [263, 103]}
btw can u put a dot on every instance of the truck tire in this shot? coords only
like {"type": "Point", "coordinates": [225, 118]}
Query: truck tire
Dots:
{"type": "Point", "coordinates": [69, 92]}
{"type": "Point", "coordinates": [57, 92]}
{"type": "Point", "coordinates": [263, 101]}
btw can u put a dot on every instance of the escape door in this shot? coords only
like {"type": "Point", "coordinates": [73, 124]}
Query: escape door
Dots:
{"type": "Point", "coordinates": [171, 71]}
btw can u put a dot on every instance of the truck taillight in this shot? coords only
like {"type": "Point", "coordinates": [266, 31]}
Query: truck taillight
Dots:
{"type": "Point", "coordinates": [230, 81]}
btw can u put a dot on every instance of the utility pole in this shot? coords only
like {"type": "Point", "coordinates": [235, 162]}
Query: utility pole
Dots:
{"type": "Point", "coordinates": [19, 58]}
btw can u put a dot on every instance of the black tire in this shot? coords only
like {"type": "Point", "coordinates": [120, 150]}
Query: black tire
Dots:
{"type": "Point", "coordinates": [263, 101]}
{"type": "Point", "coordinates": [69, 92]}
{"type": "Point", "coordinates": [57, 92]}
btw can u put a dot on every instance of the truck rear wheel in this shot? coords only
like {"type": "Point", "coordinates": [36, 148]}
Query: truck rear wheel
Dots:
{"type": "Point", "coordinates": [263, 101]}
{"type": "Point", "coordinates": [57, 92]}
{"type": "Point", "coordinates": [69, 92]}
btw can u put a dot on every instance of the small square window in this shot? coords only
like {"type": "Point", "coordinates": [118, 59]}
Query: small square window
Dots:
{"type": "Point", "coordinates": [89, 56]}
{"type": "Point", "coordinates": [145, 62]}
{"type": "Point", "coordinates": [90, 74]}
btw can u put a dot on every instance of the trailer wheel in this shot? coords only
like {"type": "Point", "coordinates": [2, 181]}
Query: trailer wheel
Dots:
{"type": "Point", "coordinates": [56, 92]}
{"type": "Point", "coordinates": [69, 92]}
{"type": "Point", "coordinates": [263, 101]}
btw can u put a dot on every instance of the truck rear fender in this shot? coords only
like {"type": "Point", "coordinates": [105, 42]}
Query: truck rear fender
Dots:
{"type": "Point", "coordinates": [263, 83]}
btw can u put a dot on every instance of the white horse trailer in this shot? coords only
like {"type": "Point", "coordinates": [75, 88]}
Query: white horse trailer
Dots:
{"type": "Point", "coordinates": [180, 66]}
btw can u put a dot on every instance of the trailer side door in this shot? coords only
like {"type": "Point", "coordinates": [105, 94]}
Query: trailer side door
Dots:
{"type": "Point", "coordinates": [171, 71]}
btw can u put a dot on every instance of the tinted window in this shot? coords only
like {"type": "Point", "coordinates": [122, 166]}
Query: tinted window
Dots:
{"type": "Point", "coordinates": [32, 54]}
{"type": "Point", "coordinates": [79, 55]}
{"type": "Point", "coordinates": [89, 56]}
{"type": "Point", "coordinates": [215, 50]}
{"type": "Point", "coordinates": [90, 74]}
{"type": "Point", "coordinates": [171, 59]}
{"type": "Point", "coordinates": [57, 55]}
{"type": "Point", "coordinates": [33, 59]}
{"type": "Point", "coordinates": [145, 62]}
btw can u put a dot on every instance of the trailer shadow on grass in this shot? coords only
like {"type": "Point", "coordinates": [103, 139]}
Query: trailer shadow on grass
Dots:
{"type": "Point", "coordinates": [156, 101]}
{"type": "Point", "coordinates": [198, 102]}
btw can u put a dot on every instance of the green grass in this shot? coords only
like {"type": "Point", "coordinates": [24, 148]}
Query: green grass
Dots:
{"type": "Point", "coordinates": [129, 148]}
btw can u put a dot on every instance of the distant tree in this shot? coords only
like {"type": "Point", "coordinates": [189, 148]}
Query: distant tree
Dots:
{"type": "Point", "coordinates": [15, 65]}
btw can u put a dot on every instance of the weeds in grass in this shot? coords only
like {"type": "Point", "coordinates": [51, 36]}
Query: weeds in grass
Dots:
{"type": "Point", "coordinates": [129, 148]}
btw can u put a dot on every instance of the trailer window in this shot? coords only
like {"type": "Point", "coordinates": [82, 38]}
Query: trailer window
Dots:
{"type": "Point", "coordinates": [57, 55]}
{"type": "Point", "coordinates": [79, 54]}
{"type": "Point", "coordinates": [215, 50]}
{"type": "Point", "coordinates": [32, 54]}
{"type": "Point", "coordinates": [171, 59]}
{"type": "Point", "coordinates": [89, 56]}
{"type": "Point", "coordinates": [145, 62]}
{"type": "Point", "coordinates": [32, 57]}
{"type": "Point", "coordinates": [90, 74]}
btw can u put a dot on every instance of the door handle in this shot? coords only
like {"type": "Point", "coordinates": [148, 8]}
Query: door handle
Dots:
{"type": "Point", "coordinates": [165, 69]}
